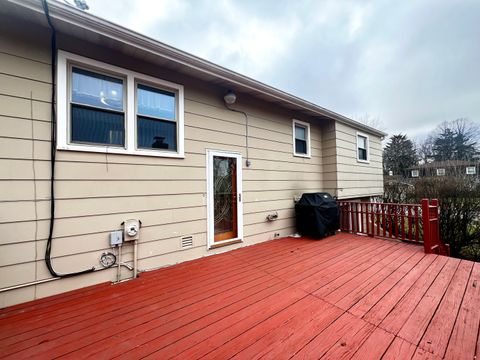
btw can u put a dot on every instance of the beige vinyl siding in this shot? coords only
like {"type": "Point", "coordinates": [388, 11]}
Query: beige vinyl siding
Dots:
{"type": "Point", "coordinates": [96, 192]}
{"type": "Point", "coordinates": [356, 179]}
{"type": "Point", "coordinates": [329, 158]}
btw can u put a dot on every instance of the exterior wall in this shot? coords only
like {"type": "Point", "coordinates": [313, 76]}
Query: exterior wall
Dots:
{"type": "Point", "coordinates": [95, 192]}
{"type": "Point", "coordinates": [356, 179]}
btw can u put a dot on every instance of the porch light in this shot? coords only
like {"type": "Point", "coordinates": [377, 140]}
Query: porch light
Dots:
{"type": "Point", "coordinates": [230, 97]}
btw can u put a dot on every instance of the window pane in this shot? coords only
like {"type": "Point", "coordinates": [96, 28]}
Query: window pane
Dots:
{"type": "Point", "coordinates": [98, 90]}
{"type": "Point", "coordinates": [300, 132]}
{"type": "Point", "coordinates": [362, 154]}
{"type": "Point", "coordinates": [362, 142]}
{"type": "Point", "coordinates": [156, 134]}
{"type": "Point", "coordinates": [300, 146]}
{"type": "Point", "coordinates": [155, 103]}
{"type": "Point", "coordinates": [97, 126]}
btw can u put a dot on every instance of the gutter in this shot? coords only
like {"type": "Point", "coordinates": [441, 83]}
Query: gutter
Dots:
{"type": "Point", "coordinates": [89, 22]}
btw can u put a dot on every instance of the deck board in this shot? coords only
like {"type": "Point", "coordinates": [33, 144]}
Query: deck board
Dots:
{"type": "Point", "coordinates": [342, 297]}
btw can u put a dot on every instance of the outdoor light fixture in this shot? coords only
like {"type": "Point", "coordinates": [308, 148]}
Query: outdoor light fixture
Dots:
{"type": "Point", "coordinates": [230, 97]}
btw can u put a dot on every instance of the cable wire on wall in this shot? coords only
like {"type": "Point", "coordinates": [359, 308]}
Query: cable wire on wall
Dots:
{"type": "Point", "coordinates": [48, 250]}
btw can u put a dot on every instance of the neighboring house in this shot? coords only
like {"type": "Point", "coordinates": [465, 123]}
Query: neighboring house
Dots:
{"type": "Point", "coordinates": [445, 168]}
{"type": "Point", "coordinates": [143, 132]}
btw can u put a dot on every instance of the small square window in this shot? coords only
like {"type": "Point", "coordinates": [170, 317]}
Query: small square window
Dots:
{"type": "Point", "coordinates": [362, 148]}
{"type": "Point", "coordinates": [301, 138]}
{"type": "Point", "coordinates": [415, 173]}
{"type": "Point", "coordinates": [471, 170]}
{"type": "Point", "coordinates": [440, 172]}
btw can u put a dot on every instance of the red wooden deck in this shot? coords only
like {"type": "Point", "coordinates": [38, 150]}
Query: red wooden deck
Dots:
{"type": "Point", "coordinates": [342, 297]}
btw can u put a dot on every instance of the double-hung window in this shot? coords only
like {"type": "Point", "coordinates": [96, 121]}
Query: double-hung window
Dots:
{"type": "Point", "coordinates": [156, 119]}
{"type": "Point", "coordinates": [301, 138]}
{"type": "Point", "coordinates": [362, 148]}
{"type": "Point", "coordinates": [97, 111]}
{"type": "Point", "coordinates": [104, 108]}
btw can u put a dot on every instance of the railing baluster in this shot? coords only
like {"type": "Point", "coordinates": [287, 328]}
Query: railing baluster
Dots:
{"type": "Point", "coordinates": [398, 221]}
{"type": "Point", "coordinates": [417, 235]}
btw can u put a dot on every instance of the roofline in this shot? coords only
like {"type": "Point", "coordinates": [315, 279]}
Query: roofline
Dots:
{"type": "Point", "coordinates": [117, 32]}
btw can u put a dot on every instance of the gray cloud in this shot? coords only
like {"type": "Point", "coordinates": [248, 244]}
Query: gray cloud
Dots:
{"type": "Point", "coordinates": [412, 64]}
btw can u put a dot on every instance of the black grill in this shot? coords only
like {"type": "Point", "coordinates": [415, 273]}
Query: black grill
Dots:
{"type": "Point", "coordinates": [317, 215]}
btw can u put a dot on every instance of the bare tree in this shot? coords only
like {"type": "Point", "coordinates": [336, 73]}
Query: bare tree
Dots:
{"type": "Point", "coordinates": [372, 121]}
{"type": "Point", "coordinates": [424, 149]}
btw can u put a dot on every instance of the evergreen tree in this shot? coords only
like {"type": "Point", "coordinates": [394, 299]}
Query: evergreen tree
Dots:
{"type": "Point", "coordinates": [399, 155]}
{"type": "Point", "coordinates": [456, 140]}
{"type": "Point", "coordinates": [444, 145]}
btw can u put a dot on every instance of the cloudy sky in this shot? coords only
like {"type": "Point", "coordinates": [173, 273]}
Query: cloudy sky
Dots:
{"type": "Point", "coordinates": [408, 64]}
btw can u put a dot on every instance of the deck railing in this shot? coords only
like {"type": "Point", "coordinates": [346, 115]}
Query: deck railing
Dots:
{"type": "Point", "coordinates": [418, 223]}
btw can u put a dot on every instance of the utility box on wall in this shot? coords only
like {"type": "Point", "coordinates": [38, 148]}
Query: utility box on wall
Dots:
{"type": "Point", "coordinates": [131, 229]}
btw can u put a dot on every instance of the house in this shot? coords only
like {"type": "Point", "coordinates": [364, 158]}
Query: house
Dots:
{"type": "Point", "coordinates": [180, 156]}
{"type": "Point", "coordinates": [445, 168]}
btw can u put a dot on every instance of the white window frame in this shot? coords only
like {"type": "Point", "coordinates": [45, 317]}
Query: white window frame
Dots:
{"type": "Point", "coordinates": [131, 79]}
{"type": "Point", "coordinates": [441, 172]}
{"type": "Point", "coordinates": [415, 173]}
{"type": "Point", "coordinates": [307, 128]}
{"type": "Point", "coordinates": [359, 134]}
{"type": "Point", "coordinates": [473, 172]}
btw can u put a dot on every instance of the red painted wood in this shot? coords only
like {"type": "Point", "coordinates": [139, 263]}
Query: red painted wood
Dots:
{"type": "Point", "coordinates": [435, 339]}
{"type": "Point", "coordinates": [374, 346]}
{"type": "Point", "coordinates": [338, 269]}
{"type": "Point", "coordinates": [347, 345]}
{"type": "Point", "coordinates": [189, 337]}
{"type": "Point", "coordinates": [424, 273]}
{"type": "Point", "coordinates": [132, 318]}
{"type": "Point", "coordinates": [417, 323]}
{"type": "Point", "coordinates": [242, 338]}
{"type": "Point", "coordinates": [369, 280]}
{"type": "Point", "coordinates": [421, 354]}
{"type": "Point", "coordinates": [197, 316]}
{"type": "Point", "coordinates": [333, 280]}
{"type": "Point", "coordinates": [348, 282]}
{"type": "Point", "coordinates": [463, 339]}
{"type": "Point", "coordinates": [399, 349]}
{"type": "Point", "coordinates": [370, 299]}
{"type": "Point", "coordinates": [341, 330]}
{"type": "Point", "coordinates": [254, 302]}
{"type": "Point", "coordinates": [151, 296]}
{"type": "Point", "coordinates": [309, 307]}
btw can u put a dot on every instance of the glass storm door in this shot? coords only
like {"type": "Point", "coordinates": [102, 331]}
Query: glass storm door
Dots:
{"type": "Point", "coordinates": [224, 173]}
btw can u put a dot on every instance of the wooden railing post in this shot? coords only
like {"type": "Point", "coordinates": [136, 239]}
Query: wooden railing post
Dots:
{"type": "Point", "coordinates": [427, 241]}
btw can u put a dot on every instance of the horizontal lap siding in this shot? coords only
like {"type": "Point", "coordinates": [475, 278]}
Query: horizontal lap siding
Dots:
{"type": "Point", "coordinates": [356, 179]}
{"type": "Point", "coordinates": [96, 192]}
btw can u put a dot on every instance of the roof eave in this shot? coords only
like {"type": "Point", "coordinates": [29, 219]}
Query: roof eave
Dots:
{"type": "Point", "coordinates": [73, 16]}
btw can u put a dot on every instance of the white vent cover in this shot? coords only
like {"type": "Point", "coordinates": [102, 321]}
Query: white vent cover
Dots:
{"type": "Point", "coordinates": [186, 241]}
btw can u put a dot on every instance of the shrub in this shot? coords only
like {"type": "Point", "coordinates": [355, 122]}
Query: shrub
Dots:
{"type": "Point", "coordinates": [459, 199]}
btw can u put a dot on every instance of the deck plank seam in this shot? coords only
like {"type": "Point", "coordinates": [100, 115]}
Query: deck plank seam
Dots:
{"type": "Point", "coordinates": [408, 292]}
{"type": "Point", "coordinates": [386, 292]}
